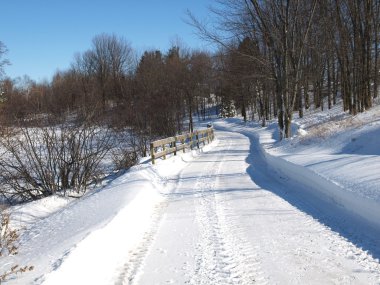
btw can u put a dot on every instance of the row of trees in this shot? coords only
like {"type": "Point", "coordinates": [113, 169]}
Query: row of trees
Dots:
{"type": "Point", "coordinates": [276, 57]}
{"type": "Point", "coordinates": [152, 95]}
{"type": "Point", "coordinates": [286, 55]}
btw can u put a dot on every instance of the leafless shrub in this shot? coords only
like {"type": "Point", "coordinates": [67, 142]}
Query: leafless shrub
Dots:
{"type": "Point", "coordinates": [123, 158]}
{"type": "Point", "coordinates": [139, 141]}
{"type": "Point", "coordinates": [9, 247]}
{"type": "Point", "coordinates": [329, 128]}
{"type": "Point", "coordinates": [321, 132]}
{"type": "Point", "coordinates": [38, 162]}
{"type": "Point", "coordinates": [126, 150]}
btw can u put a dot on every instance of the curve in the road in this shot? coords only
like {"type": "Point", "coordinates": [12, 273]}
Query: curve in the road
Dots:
{"type": "Point", "coordinates": [232, 221]}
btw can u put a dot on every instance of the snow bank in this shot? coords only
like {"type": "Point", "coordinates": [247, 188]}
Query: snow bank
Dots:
{"type": "Point", "coordinates": [109, 246]}
{"type": "Point", "coordinates": [59, 234]}
{"type": "Point", "coordinates": [341, 167]}
{"type": "Point", "coordinates": [327, 189]}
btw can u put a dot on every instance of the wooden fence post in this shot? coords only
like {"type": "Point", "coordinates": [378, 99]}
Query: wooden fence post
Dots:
{"type": "Point", "coordinates": [152, 152]}
{"type": "Point", "coordinates": [163, 149]}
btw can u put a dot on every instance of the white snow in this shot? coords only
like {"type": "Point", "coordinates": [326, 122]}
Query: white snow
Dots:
{"type": "Point", "coordinates": [344, 151]}
{"type": "Point", "coordinates": [246, 209]}
{"type": "Point", "coordinates": [70, 241]}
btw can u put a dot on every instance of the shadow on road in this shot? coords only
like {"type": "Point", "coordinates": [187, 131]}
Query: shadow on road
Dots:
{"type": "Point", "coordinates": [351, 227]}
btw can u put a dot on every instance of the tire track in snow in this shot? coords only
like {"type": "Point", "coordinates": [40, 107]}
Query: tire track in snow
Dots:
{"type": "Point", "coordinates": [131, 269]}
{"type": "Point", "coordinates": [224, 255]}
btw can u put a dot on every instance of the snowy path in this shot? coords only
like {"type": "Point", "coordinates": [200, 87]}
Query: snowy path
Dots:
{"type": "Point", "coordinates": [221, 227]}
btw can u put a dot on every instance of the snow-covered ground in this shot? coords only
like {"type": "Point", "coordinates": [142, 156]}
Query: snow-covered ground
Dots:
{"type": "Point", "coordinates": [341, 149]}
{"type": "Point", "coordinates": [84, 241]}
{"type": "Point", "coordinates": [248, 209]}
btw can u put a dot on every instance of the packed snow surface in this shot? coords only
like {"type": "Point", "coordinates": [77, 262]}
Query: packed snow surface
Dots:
{"type": "Point", "coordinates": [247, 209]}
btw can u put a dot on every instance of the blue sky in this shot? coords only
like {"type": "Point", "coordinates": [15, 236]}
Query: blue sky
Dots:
{"type": "Point", "coordinates": [43, 35]}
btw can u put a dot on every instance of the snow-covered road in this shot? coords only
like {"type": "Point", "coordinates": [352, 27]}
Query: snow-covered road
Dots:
{"type": "Point", "coordinates": [225, 223]}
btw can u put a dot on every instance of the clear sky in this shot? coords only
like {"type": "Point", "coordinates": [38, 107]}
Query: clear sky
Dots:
{"type": "Point", "coordinates": [43, 35]}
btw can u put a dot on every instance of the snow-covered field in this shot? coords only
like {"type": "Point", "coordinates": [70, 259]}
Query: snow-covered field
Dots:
{"type": "Point", "coordinates": [248, 209]}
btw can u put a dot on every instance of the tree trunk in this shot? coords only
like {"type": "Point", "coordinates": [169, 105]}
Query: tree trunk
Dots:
{"type": "Point", "coordinates": [243, 111]}
{"type": "Point", "coordinates": [191, 128]}
{"type": "Point", "coordinates": [300, 102]}
{"type": "Point", "coordinates": [329, 99]}
{"type": "Point", "coordinates": [288, 125]}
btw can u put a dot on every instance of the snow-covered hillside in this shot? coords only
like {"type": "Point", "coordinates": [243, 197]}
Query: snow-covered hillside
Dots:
{"type": "Point", "coordinates": [247, 209]}
{"type": "Point", "coordinates": [341, 149]}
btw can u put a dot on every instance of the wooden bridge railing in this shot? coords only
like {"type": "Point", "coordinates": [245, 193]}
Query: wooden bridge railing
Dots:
{"type": "Point", "coordinates": [163, 147]}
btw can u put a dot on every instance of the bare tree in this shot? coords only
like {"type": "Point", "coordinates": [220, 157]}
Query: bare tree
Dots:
{"type": "Point", "coordinates": [111, 58]}
{"type": "Point", "coordinates": [357, 50]}
{"type": "Point", "coordinates": [281, 29]}
{"type": "Point", "coordinates": [3, 61]}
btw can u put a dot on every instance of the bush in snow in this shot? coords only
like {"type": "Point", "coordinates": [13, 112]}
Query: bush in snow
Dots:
{"type": "Point", "coordinates": [8, 247]}
{"type": "Point", "coordinates": [38, 162]}
{"type": "Point", "coordinates": [123, 159]}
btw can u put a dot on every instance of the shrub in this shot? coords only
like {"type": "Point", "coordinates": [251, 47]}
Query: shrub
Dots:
{"type": "Point", "coordinates": [123, 158]}
{"type": "Point", "coordinates": [38, 162]}
{"type": "Point", "coordinates": [9, 247]}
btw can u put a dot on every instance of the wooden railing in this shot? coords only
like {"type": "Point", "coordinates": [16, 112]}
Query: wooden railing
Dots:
{"type": "Point", "coordinates": [161, 148]}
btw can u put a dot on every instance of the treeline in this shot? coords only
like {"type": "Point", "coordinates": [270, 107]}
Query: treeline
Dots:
{"type": "Point", "coordinates": [285, 56]}
{"type": "Point", "coordinates": [153, 95]}
{"type": "Point", "coordinates": [275, 58]}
